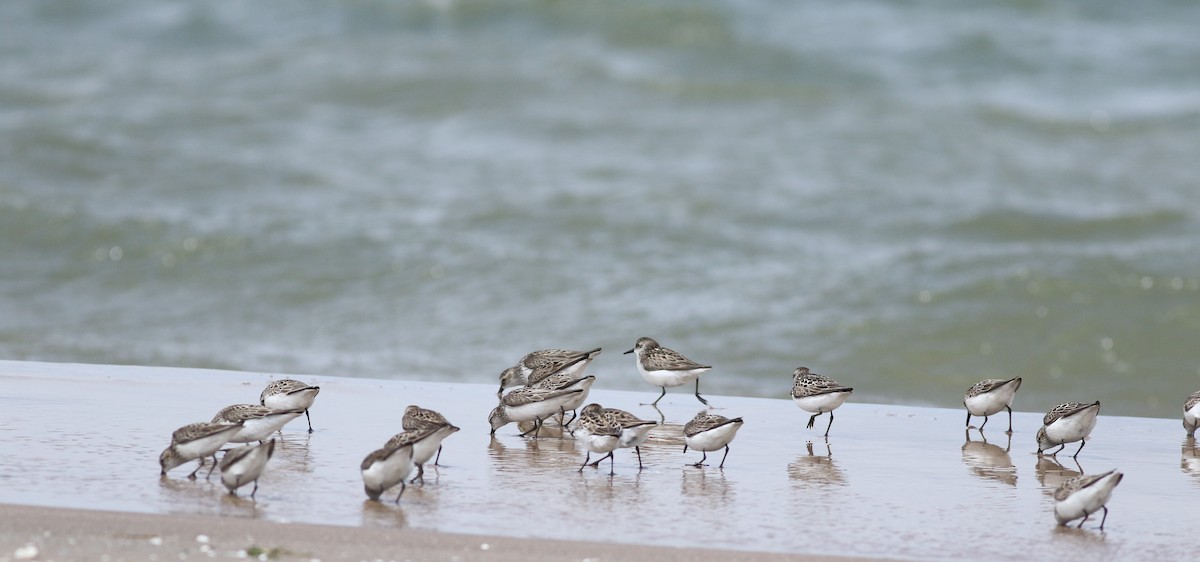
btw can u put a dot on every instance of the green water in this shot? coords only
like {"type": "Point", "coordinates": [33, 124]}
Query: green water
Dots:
{"type": "Point", "coordinates": [908, 197]}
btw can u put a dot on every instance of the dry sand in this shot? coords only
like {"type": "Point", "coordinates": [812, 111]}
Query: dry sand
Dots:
{"type": "Point", "coordinates": [76, 534]}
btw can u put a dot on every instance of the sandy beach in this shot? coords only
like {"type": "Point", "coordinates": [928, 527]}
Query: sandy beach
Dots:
{"type": "Point", "coordinates": [76, 534]}
{"type": "Point", "coordinates": [890, 482]}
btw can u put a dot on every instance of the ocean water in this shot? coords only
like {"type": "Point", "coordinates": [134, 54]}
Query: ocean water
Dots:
{"type": "Point", "coordinates": [906, 196]}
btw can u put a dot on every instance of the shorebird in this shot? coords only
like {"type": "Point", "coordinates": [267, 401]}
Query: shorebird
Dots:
{"type": "Point", "coordinates": [634, 431]}
{"type": "Point", "coordinates": [565, 381]}
{"type": "Point", "coordinates": [1082, 496]}
{"type": "Point", "coordinates": [242, 465]}
{"type": "Point", "coordinates": [1191, 413]}
{"type": "Point", "coordinates": [1067, 423]}
{"type": "Point", "coordinates": [196, 441]}
{"type": "Point", "coordinates": [416, 417]}
{"type": "Point", "coordinates": [664, 367]}
{"type": "Point", "coordinates": [817, 394]}
{"type": "Point", "coordinates": [384, 468]}
{"type": "Point", "coordinates": [543, 363]}
{"type": "Point", "coordinates": [529, 403]}
{"type": "Point", "coordinates": [600, 433]}
{"type": "Point", "coordinates": [989, 396]}
{"type": "Point", "coordinates": [710, 432]}
{"type": "Point", "coordinates": [288, 394]}
{"type": "Point", "coordinates": [425, 441]}
{"type": "Point", "coordinates": [258, 422]}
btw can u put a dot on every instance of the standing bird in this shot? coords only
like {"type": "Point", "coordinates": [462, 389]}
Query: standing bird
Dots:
{"type": "Point", "coordinates": [258, 422]}
{"type": "Point", "coordinates": [710, 432]}
{"type": "Point", "coordinates": [1191, 413]}
{"type": "Point", "coordinates": [425, 441]}
{"type": "Point", "coordinates": [600, 433]}
{"type": "Point", "coordinates": [196, 441]}
{"type": "Point", "coordinates": [1081, 496]}
{"type": "Point", "coordinates": [243, 465]}
{"type": "Point", "coordinates": [529, 403]}
{"type": "Point", "coordinates": [634, 430]}
{"type": "Point", "coordinates": [288, 394]}
{"type": "Point", "coordinates": [416, 417]}
{"type": "Point", "coordinates": [384, 468]}
{"type": "Point", "coordinates": [543, 363]}
{"type": "Point", "coordinates": [989, 396]}
{"type": "Point", "coordinates": [1067, 423]}
{"type": "Point", "coordinates": [664, 367]}
{"type": "Point", "coordinates": [817, 394]}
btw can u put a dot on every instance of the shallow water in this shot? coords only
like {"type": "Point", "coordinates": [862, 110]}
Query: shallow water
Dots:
{"type": "Point", "coordinates": [891, 481]}
{"type": "Point", "coordinates": [909, 196]}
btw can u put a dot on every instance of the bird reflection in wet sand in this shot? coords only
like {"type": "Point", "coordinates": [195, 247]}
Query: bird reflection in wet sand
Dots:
{"type": "Point", "coordinates": [1189, 461]}
{"type": "Point", "coordinates": [1051, 474]}
{"type": "Point", "coordinates": [987, 460]}
{"type": "Point", "coordinates": [706, 486]}
{"type": "Point", "coordinates": [816, 468]}
{"type": "Point", "coordinates": [383, 514]}
{"type": "Point", "coordinates": [534, 455]}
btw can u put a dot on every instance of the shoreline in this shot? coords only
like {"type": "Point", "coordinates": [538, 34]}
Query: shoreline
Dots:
{"type": "Point", "coordinates": [78, 534]}
{"type": "Point", "coordinates": [890, 481]}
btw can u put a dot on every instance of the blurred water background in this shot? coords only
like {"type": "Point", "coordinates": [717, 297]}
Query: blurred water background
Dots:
{"type": "Point", "coordinates": [907, 196]}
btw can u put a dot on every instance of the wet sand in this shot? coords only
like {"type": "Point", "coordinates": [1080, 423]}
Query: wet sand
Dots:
{"type": "Point", "coordinates": [890, 482]}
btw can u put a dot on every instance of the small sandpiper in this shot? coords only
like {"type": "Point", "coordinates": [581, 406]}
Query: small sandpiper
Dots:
{"type": "Point", "coordinates": [710, 432]}
{"type": "Point", "coordinates": [258, 422]}
{"type": "Point", "coordinates": [600, 433]}
{"type": "Point", "coordinates": [989, 396]}
{"type": "Point", "coordinates": [634, 430]}
{"type": "Point", "coordinates": [196, 441]}
{"type": "Point", "coordinates": [384, 468]}
{"type": "Point", "coordinates": [288, 394]}
{"type": "Point", "coordinates": [1191, 413]}
{"type": "Point", "coordinates": [664, 367]}
{"type": "Point", "coordinates": [1067, 423]}
{"type": "Point", "coordinates": [416, 417]}
{"type": "Point", "coordinates": [817, 394]}
{"type": "Point", "coordinates": [425, 441]}
{"type": "Point", "coordinates": [543, 363]}
{"type": "Point", "coordinates": [530, 403]}
{"type": "Point", "coordinates": [242, 465]}
{"type": "Point", "coordinates": [564, 381]}
{"type": "Point", "coordinates": [1082, 496]}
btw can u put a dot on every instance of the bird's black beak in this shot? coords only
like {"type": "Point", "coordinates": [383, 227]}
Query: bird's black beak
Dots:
{"type": "Point", "coordinates": [628, 352]}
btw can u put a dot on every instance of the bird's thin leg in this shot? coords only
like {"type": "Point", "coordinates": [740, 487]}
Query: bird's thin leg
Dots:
{"type": "Point", "coordinates": [985, 420]}
{"type": "Point", "coordinates": [830, 423]}
{"type": "Point", "coordinates": [585, 461]}
{"type": "Point", "coordinates": [439, 456]}
{"type": "Point", "coordinates": [639, 454]}
{"type": "Point", "coordinates": [254, 491]}
{"type": "Point", "coordinates": [420, 475]}
{"type": "Point", "coordinates": [722, 465]}
{"type": "Point", "coordinates": [698, 397]}
{"type": "Point", "coordinates": [1082, 442]}
{"type": "Point", "coordinates": [309, 418]}
{"type": "Point", "coordinates": [192, 476]}
{"type": "Point", "coordinates": [660, 397]}
{"type": "Point", "coordinates": [811, 421]}
{"type": "Point", "coordinates": [968, 418]}
{"type": "Point", "coordinates": [1009, 408]}
{"type": "Point", "coordinates": [611, 461]}
{"type": "Point", "coordinates": [1105, 518]}
{"type": "Point", "coordinates": [702, 459]}
{"type": "Point", "coordinates": [1060, 447]}
{"type": "Point", "coordinates": [402, 488]}
{"type": "Point", "coordinates": [210, 469]}
{"type": "Point", "coordinates": [1085, 518]}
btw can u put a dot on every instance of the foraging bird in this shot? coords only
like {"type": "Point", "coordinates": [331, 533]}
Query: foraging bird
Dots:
{"type": "Point", "coordinates": [529, 403]}
{"type": "Point", "coordinates": [817, 394]}
{"type": "Point", "coordinates": [710, 432]}
{"type": "Point", "coordinates": [634, 430]}
{"type": "Point", "coordinates": [384, 468]}
{"type": "Point", "coordinates": [543, 363]}
{"type": "Point", "coordinates": [989, 396]}
{"type": "Point", "coordinates": [196, 441]}
{"type": "Point", "coordinates": [288, 394]}
{"type": "Point", "coordinates": [258, 422]}
{"type": "Point", "coordinates": [1067, 423]}
{"type": "Point", "coordinates": [243, 465]}
{"type": "Point", "coordinates": [416, 417]}
{"type": "Point", "coordinates": [1081, 496]}
{"type": "Point", "coordinates": [600, 433]}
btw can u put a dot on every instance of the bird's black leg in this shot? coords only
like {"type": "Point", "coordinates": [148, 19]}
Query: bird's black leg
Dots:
{"type": "Point", "coordinates": [439, 456]}
{"type": "Point", "coordinates": [1060, 447]}
{"type": "Point", "coordinates": [1105, 518]}
{"type": "Point", "coordinates": [702, 459]}
{"type": "Point", "coordinates": [812, 420]}
{"type": "Point", "coordinates": [1009, 408]}
{"type": "Point", "coordinates": [830, 423]}
{"type": "Point", "coordinates": [660, 397]}
{"type": "Point", "coordinates": [192, 476]}
{"type": "Point", "coordinates": [585, 461]}
{"type": "Point", "coordinates": [210, 469]}
{"type": "Point", "coordinates": [968, 418]}
{"type": "Point", "coordinates": [985, 420]}
{"type": "Point", "coordinates": [255, 490]}
{"type": "Point", "coordinates": [1082, 442]}
{"type": "Point", "coordinates": [309, 418]}
{"type": "Point", "coordinates": [698, 397]}
{"type": "Point", "coordinates": [402, 488]}
{"type": "Point", "coordinates": [639, 454]}
{"type": "Point", "coordinates": [722, 465]}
